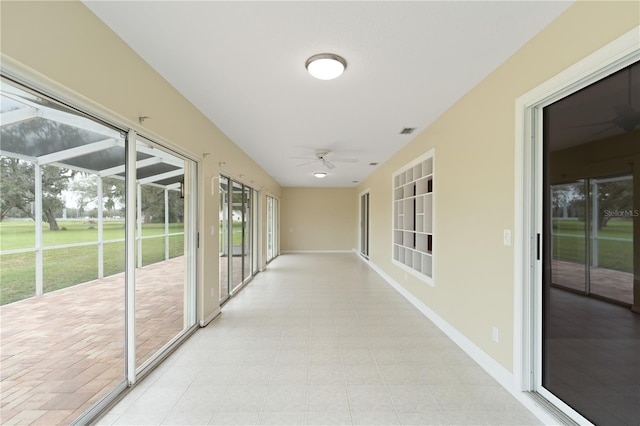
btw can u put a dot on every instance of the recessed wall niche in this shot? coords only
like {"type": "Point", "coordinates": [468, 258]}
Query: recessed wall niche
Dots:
{"type": "Point", "coordinates": [413, 187]}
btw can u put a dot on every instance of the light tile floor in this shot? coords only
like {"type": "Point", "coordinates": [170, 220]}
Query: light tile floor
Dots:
{"type": "Point", "coordinates": [319, 340]}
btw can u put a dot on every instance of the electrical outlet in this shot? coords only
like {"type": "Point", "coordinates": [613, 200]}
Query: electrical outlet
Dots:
{"type": "Point", "coordinates": [495, 335]}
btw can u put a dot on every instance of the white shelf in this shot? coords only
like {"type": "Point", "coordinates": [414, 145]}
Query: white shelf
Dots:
{"type": "Point", "coordinates": [413, 217]}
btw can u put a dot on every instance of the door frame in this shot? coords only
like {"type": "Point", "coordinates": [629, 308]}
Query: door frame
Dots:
{"type": "Point", "coordinates": [613, 57]}
{"type": "Point", "coordinates": [364, 216]}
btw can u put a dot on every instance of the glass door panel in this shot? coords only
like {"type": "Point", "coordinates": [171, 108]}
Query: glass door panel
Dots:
{"type": "Point", "coordinates": [61, 281]}
{"type": "Point", "coordinates": [568, 230]}
{"type": "Point", "coordinates": [276, 228]}
{"type": "Point", "coordinates": [256, 240]}
{"type": "Point", "coordinates": [237, 235]}
{"type": "Point", "coordinates": [269, 228]}
{"type": "Point", "coordinates": [164, 279]}
{"type": "Point", "coordinates": [247, 233]}
{"type": "Point", "coordinates": [224, 246]}
{"type": "Point", "coordinates": [611, 271]}
{"type": "Point", "coordinates": [590, 346]}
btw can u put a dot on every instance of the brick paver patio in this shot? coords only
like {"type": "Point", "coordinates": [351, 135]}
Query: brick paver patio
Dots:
{"type": "Point", "coordinates": [62, 352]}
{"type": "Point", "coordinates": [612, 284]}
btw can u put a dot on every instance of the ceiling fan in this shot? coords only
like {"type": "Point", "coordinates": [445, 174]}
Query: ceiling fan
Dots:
{"type": "Point", "coordinates": [626, 117]}
{"type": "Point", "coordinates": [321, 156]}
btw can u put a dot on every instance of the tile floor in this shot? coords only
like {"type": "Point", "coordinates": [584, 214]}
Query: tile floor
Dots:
{"type": "Point", "coordinates": [319, 340]}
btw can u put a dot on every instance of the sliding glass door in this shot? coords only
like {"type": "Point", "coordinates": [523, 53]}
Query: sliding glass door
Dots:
{"type": "Point", "coordinates": [165, 255]}
{"type": "Point", "coordinates": [238, 230]}
{"type": "Point", "coordinates": [224, 238]}
{"type": "Point", "coordinates": [272, 228]}
{"type": "Point", "coordinates": [592, 237]}
{"type": "Point", "coordinates": [238, 235]}
{"type": "Point", "coordinates": [98, 245]}
{"type": "Point", "coordinates": [589, 341]}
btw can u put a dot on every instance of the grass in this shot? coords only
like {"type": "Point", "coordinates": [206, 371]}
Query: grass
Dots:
{"type": "Point", "coordinates": [21, 234]}
{"type": "Point", "coordinates": [236, 232]}
{"type": "Point", "coordinates": [616, 255]}
{"type": "Point", "coordinates": [70, 266]}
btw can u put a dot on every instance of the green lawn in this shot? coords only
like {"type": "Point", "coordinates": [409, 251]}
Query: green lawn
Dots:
{"type": "Point", "coordinates": [21, 234]}
{"type": "Point", "coordinates": [616, 255]}
{"type": "Point", "coordinates": [69, 266]}
{"type": "Point", "coordinates": [237, 233]}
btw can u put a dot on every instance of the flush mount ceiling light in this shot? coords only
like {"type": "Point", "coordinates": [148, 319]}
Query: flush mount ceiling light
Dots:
{"type": "Point", "coordinates": [326, 66]}
{"type": "Point", "coordinates": [320, 175]}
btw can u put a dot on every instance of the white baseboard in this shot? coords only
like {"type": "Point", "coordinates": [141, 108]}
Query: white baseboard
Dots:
{"type": "Point", "coordinates": [503, 376]}
{"type": "Point", "coordinates": [207, 320]}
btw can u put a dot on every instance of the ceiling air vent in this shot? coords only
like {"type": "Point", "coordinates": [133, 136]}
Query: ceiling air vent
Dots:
{"type": "Point", "coordinates": [407, 130]}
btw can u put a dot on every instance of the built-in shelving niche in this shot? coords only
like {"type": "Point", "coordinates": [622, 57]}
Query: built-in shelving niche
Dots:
{"type": "Point", "coordinates": [413, 217]}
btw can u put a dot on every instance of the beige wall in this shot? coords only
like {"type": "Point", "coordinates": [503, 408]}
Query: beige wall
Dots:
{"type": "Point", "coordinates": [318, 219]}
{"type": "Point", "coordinates": [66, 49]}
{"type": "Point", "coordinates": [474, 189]}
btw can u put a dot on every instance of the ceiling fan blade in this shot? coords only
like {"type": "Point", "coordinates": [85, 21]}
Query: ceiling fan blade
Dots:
{"type": "Point", "coordinates": [304, 158]}
{"type": "Point", "coordinates": [624, 110]}
{"type": "Point", "coordinates": [604, 130]}
{"type": "Point", "coordinates": [328, 164]}
{"type": "Point", "coordinates": [307, 163]}
{"type": "Point", "coordinates": [598, 123]}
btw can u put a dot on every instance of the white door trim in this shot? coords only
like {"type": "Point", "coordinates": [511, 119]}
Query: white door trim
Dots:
{"type": "Point", "coordinates": [616, 55]}
{"type": "Point", "coordinates": [360, 212]}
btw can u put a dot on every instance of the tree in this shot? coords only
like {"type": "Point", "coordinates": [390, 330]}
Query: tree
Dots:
{"type": "Point", "coordinates": [153, 205]}
{"type": "Point", "coordinates": [18, 188]}
{"type": "Point", "coordinates": [566, 196]}
{"type": "Point", "coordinates": [114, 192]}
{"type": "Point", "coordinates": [613, 197]}
{"type": "Point", "coordinates": [85, 189]}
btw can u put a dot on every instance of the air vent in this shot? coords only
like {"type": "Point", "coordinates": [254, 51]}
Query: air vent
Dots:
{"type": "Point", "coordinates": [373, 164]}
{"type": "Point", "coordinates": [407, 130]}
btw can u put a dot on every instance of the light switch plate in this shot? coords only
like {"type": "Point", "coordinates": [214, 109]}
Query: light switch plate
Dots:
{"type": "Point", "coordinates": [506, 238]}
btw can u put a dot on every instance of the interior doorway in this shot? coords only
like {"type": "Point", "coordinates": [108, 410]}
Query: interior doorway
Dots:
{"type": "Point", "coordinates": [364, 224]}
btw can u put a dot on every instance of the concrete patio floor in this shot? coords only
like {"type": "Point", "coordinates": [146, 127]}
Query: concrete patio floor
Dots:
{"type": "Point", "coordinates": [64, 351]}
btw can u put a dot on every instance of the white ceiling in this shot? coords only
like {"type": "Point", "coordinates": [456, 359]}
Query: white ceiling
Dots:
{"type": "Point", "coordinates": [242, 65]}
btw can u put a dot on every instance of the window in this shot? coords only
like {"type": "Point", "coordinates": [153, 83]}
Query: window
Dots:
{"type": "Point", "coordinates": [413, 217]}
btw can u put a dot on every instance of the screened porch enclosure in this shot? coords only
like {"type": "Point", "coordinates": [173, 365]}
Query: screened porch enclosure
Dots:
{"type": "Point", "coordinates": [98, 236]}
